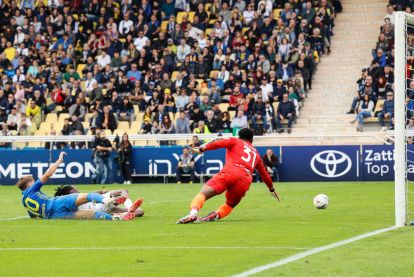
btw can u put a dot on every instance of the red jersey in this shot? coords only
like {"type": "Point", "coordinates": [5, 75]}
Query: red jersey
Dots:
{"type": "Point", "coordinates": [241, 154]}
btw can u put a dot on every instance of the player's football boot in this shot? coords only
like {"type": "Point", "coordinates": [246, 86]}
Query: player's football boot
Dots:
{"type": "Point", "coordinates": [135, 205]}
{"type": "Point", "coordinates": [213, 216]}
{"type": "Point", "coordinates": [123, 216]}
{"type": "Point", "coordinates": [188, 219]}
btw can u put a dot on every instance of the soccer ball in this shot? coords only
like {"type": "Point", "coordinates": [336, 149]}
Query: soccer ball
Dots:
{"type": "Point", "coordinates": [321, 201]}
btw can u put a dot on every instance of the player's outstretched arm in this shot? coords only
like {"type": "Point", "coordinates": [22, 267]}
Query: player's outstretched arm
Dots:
{"type": "Point", "coordinates": [266, 179]}
{"type": "Point", "coordinates": [51, 170]}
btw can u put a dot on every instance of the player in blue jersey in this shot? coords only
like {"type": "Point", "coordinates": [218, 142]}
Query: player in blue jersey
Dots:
{"type": "Point", "coordinates": [40, 205]}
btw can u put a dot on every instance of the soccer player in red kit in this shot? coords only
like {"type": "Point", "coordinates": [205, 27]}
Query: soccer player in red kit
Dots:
{"type": "Point", "coordinates": [235, 178]}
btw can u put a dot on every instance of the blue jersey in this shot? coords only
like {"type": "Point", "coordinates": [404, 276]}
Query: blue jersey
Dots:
{"type": "Point", "coordinates": [36, 202]}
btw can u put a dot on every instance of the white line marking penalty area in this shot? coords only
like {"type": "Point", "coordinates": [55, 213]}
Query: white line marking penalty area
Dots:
{"type": "Point", "coordinates": [312, 251]}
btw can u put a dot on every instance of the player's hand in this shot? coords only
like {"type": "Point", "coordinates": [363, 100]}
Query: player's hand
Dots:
{"type": "Point", "coordinates": [195, 150]}
{"type": "Point", "coordinates": [61, 155]}
{"type": "Point", "coordinates": [275, 194]}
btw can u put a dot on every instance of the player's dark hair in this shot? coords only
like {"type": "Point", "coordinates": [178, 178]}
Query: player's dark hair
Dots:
{"type": "Point", "coordinates": [63, 190]}
{"type": "Point", "coordinates": [246, 134]}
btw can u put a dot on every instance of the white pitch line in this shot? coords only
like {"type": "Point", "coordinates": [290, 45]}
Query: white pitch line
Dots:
{"type": "Point", "coordinates": [13, 218]}
{"type": "Point", "coordinates": [152, 248]}
{"type": "Point", "coordinates": [312, 251]}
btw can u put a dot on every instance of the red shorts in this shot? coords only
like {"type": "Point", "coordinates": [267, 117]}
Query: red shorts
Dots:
{"type": "Point", "coordinates": [235, 182]}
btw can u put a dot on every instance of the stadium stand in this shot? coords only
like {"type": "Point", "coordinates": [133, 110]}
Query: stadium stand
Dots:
{"type": "Point", "coordinates": [377, 80]}
{"type": "Point", "coordinates": [68, 67]}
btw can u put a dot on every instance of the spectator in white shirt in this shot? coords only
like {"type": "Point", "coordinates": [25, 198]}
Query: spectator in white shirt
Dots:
{"type": "Point", "coordinates": [125, 26]}
{"type": "Point", "coordinates": [239, 121]}
{"type": "Point", "coordinates": [193, 32]}
{"type": "Point", "coordinates": [248, 14]}
{"type": "Point", "coordinates": [89, 83]}
{"type": "Point", "coordinates": [267, 90]}
{"type": "Point", "coordinates": [19, 77]}
{"type": "Point", "coordinates": [103, 59]}
{"type": "Point", "coordinates": [140, 41]}
{"type": "Point", "coordinates": [183, 50]}
{"type": "Point", "coordinates": [13, 119]}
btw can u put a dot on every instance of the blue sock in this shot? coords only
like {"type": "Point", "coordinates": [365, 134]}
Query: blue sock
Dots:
{"type": "Point", "coordinates": [94, 197]}
{"type": "Point", "coordinates": [101, 215]}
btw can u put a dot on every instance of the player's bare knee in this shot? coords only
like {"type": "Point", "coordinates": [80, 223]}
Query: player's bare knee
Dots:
{"type": "Point", "coordinates": [84, 214]}
{"type": "Point", "coordinates": [208, 191]}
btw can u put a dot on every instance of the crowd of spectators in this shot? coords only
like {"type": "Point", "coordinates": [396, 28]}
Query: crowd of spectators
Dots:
{"type": "Point", "coordinates": [375, 95]}
{"type": "Point", "coordinates": [175, 61]}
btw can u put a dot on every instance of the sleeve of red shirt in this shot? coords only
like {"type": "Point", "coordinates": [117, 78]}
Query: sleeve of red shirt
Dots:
{"type": "Point", "coordinates": [221, 143]}
{"type": "Point", "coordinates": [264, 175]}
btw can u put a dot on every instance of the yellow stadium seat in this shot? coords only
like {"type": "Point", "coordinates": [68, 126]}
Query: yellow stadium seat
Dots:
{"type": "Point", "coordinates": [136, 109]}
{"type": "Point", "coordinates": [208, 31]}
{"type": "Point", "coordinates": [123, 125]}
{"type": "Point", "coordinates": [40, 132]}
{"type": "Point", "coordinates": [140, 143]}
{"type": "Point", "coordinates": [212, 72]}
{"type": "Point", "coordinates": [152, 142]}
{"type": "Point", "coordinates": [122, 40]}
{"type": "Point", "coordinates": [232, 114]}
{"type": "Point", "coordinates": [63, 116]}
{"type": "Point", "coordinates": [136, 126]}
{"type": "Point", "coordinates": [207, 7]}
{"type": "Point", "coordinates": [182, 142]}
{"type": "Point", "coordinates": [174, 75]}
{"type": "Point", "coordinates": [79, 69]}
{"type": "Point", "coordinates": [86, 124]}
{"type": "Point", "coordinates": [51, 118]}
{"type": "Point", "coordinates": [180, 16]}
{"type": "Point", "coordinates": [119, 132]}
{"type": "Point", "coordinates": [20, 144]}
{"type": "Point", "coordinates": [45, 126]}
{"type": "Point", "coordinates": [87, 117]}
{"type": "Point", "coordinates": [223, 107]}
{"type": "Point", "coordinates": [35, 144]}
{"type": "Point", "coordinates": [164, 25]}
{"type": "Point", "coordinates": [275, 105]}
{"type": "Point", "coordinates": [191, 16]}
{"type": "Point", "coordinates": [276, 13]}
{"type": "Point", "coordinates": [212, 21]}
{"type": "Point", "coordinates": [316, 55]}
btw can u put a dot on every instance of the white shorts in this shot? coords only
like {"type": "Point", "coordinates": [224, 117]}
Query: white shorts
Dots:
{"type": "Point", "coordinates": [97, 207]}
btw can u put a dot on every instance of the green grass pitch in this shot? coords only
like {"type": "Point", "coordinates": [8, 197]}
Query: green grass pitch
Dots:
{"type": "Point", "coordinates": [259, 231]}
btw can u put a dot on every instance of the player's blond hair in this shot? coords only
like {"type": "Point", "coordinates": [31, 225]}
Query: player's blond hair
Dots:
{"type": "Point", "coordinates": [24, 182]}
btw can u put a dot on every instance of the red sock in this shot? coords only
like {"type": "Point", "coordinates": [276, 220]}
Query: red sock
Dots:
{"type": "Point", "coordinates": [224, 210]}
{"type": "Point", "coordinates": [198, 201]}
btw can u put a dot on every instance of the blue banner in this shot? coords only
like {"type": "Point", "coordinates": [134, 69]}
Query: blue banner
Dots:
{"type": "Point", "coordinates": [297, 163]}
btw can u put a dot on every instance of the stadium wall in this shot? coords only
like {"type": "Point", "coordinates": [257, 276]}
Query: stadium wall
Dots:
{"type": "Point", "coordinates": [297, 163]}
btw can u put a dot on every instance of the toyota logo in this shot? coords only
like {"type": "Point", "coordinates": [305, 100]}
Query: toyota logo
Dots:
{"type": "Point", "coordinates": [330, 163]}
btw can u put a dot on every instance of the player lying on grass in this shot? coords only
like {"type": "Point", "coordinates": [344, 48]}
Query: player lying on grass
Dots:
{"type": "Point", "coordinates": [235, 178]}
{"type": "Point", "coordinates": [130, 207]}
{"type": "Point", "coordinates": [39, 205]}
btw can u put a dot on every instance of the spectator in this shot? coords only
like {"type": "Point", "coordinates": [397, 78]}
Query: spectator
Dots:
{"type": "Point", "coordinates": [271, 162]}
{"type": "Point", "coordinates": [182, 124]}
{"type": "Point", "coordinates": [126, 110]}
{"type": "Point", "coordinates": [103, 158]}
{"type": "Point", "coordinates": [13, 119]}
{"type": "Point", "coordinates": [224, 123]}
{"type": "Point", "coordinates": [167, 127]}
{"type": "Point", "coordinates": [201, 128]}
{"type": "Point", "coordinates": [211, 123]}
{"type": "Point", "coordinates": [186, 165]}
{"type": "Point", "coordinates": [285, 110]}
{"type": "Point", "coordinates": [23, 128]}
{"type": "Point", "coordinates": [77, 109]}
{"type": "Point", "coordinates": [34, 113]}
{"type": "Point", "coordinates": [5, 132]}
{"type": "Point", "coordinates": [106, 120]}
{"type": "Point", "coordinates": [387, 112]}
{"type": "Point", "coordinates": [125, 156]}
{"type": "Point", "coordinates": [365, 109]}
{"type": "Point", "coordinates": [239, 122]}
{"type": "Point", "coordinates": [195, 142]}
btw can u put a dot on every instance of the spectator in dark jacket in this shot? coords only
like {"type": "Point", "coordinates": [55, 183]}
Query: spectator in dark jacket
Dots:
{"type": "Point", "coordinates": [106, 119]}
{"type": "Point", "coordinates": [271, 162]}
{"type": "Point", "coordinates": [387, 112]}
{"type": "Point", "coordinates": [285, 110]}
